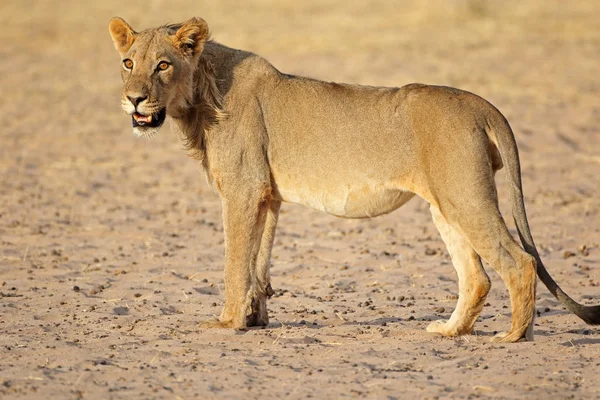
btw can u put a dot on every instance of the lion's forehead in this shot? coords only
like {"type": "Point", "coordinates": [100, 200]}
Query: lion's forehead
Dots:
{"type": "Point", "coordinates": [152, 46]}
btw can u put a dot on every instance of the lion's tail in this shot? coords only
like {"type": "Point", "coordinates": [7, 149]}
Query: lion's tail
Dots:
{"type": "Point", "coordinates": [500, 132]}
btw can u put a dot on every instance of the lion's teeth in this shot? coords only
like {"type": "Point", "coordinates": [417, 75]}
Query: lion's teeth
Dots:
{"type": "Point", "coordinates": [143, 118]}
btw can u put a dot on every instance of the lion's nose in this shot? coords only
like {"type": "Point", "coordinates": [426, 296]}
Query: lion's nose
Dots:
{"type": "Point", "coordinates": [136, 100]}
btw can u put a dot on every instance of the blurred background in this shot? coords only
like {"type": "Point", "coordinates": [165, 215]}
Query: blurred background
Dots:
{"type": "Point", "coordinates": [84, 204]}
{"type": "Point", "coordinates": [535, 60]}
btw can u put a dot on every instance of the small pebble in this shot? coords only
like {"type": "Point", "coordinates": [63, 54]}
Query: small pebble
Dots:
{"type": "Point", "coordinates": [568, 254]}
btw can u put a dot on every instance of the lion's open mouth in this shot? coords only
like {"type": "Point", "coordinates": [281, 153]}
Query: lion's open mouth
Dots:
{"type": "Point", "coordinates": [151, 121]}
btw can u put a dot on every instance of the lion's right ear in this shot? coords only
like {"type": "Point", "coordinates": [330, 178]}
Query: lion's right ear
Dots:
{"type": "Point", "coordinates": [122, 34]}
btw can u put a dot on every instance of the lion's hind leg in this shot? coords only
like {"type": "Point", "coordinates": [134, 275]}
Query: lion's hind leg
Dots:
{"type": "Point", "coordinates": [479, 221]}
{"type": "Point", "coordinates": [473, 282]}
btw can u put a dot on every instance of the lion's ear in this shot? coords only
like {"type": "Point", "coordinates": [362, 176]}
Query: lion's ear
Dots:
{"type": "Point", "coordinates": [122, 34]}
{"type": "Point", "coordinates": [192, 35]}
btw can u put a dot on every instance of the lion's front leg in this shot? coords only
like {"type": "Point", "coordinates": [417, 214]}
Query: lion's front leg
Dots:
{"type": "Point", "coordinates": [260, 316]}
{"type": "Point", "coordinates": [244, 215]}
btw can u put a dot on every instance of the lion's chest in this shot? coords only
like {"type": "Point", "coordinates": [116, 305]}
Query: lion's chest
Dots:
{"type": "Point", "coordinates": [348, 201]}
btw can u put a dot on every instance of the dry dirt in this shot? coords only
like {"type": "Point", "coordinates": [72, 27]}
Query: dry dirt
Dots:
{"type": "Point", "coordinates": [111, 246]}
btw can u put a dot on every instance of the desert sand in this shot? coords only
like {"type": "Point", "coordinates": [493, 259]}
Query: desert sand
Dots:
{"type": "Point", "coordinates": [111, 247]}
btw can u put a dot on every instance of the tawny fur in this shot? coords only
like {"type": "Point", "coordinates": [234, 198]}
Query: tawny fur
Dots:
{"type": "Point", "coordinates": [353, 151]}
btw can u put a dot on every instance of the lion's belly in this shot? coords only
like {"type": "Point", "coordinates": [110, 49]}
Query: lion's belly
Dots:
{"type": "Point", "coordinates": [349, 201]}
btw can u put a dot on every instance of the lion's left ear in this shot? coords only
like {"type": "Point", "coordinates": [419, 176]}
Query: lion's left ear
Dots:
{"type": "Point", "coordinates": [192, 35]}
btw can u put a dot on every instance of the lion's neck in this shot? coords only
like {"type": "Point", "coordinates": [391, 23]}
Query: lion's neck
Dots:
{"type": "Point", "coordinates": [206, 111]}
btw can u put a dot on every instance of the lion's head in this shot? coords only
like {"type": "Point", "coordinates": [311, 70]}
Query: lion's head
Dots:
{"type": "Point", "coordinates": [158, 68]}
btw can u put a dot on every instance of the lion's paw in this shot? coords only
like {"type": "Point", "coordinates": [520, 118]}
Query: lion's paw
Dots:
{"type": "Point", "coordinates": [507, 337]}
{"type": "Point", "coordinates": [437, 326]}
{"type": "Point", "coordinates": [441, 327]}
{"type": "Point", "coordinates": [216, 323]}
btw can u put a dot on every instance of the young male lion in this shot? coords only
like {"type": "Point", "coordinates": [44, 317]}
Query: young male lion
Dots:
{"type": "Point", "coordinates": [265, 137]}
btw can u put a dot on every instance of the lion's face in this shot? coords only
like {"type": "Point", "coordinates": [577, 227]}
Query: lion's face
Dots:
{"type": "Point", "coordinates": [157, 69]}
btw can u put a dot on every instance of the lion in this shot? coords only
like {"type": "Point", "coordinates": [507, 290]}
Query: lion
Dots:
{"type": "Point", "coordinates": [264, 137]}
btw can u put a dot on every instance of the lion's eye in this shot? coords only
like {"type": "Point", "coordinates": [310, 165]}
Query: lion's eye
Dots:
{"type": "Point", "coordinates": [128, 64]}
{"type": "Point", "coordinates": [163, 65]}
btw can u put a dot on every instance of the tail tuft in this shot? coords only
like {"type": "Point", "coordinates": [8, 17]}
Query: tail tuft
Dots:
{"type": "Point", "coordinates": [591, 315]}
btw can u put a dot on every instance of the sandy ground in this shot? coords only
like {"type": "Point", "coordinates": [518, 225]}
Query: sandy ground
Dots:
{"type": "Point", "coordinates": [111, 247]}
